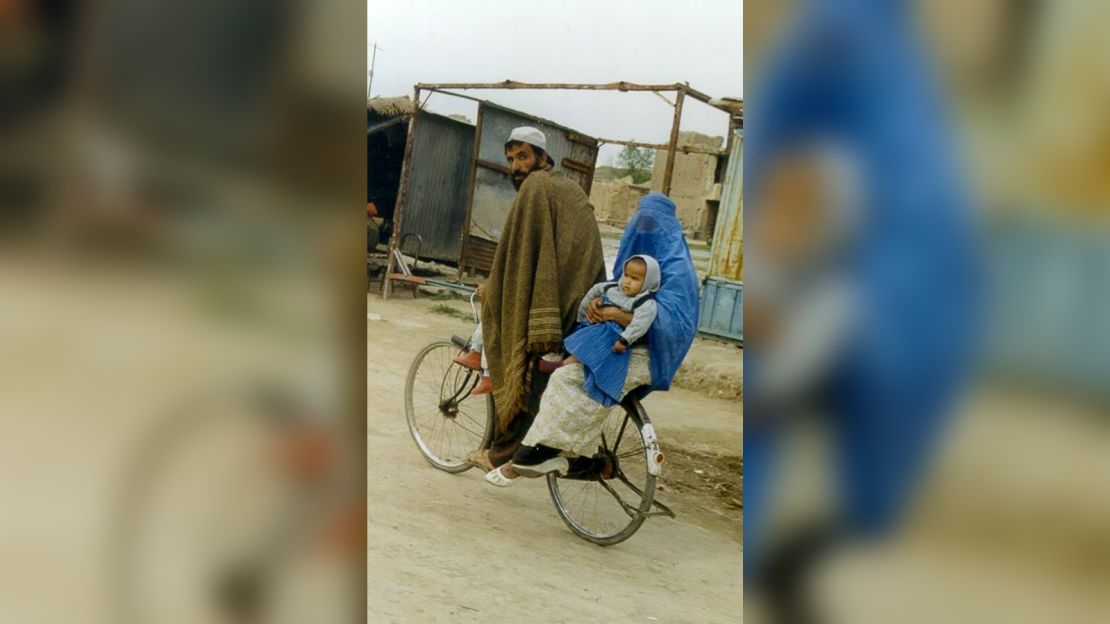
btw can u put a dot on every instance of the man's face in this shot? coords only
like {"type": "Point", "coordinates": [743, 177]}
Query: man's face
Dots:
{"type": "Point", "coordinates": [633, 279]}
{"type": "Point", "coordinates": [522, 161]}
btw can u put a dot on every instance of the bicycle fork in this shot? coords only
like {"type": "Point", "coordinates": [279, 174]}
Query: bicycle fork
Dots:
{"type": "Point", "coordinates": [655, 459]}
{"type": "Point", "coordinates": [654, 456]}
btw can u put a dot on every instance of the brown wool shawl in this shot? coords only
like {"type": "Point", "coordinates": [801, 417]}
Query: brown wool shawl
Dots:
{"type": "Point", "coordinates": [549, 255]}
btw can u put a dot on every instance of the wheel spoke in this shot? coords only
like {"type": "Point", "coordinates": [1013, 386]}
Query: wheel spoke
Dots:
{"type": "Point", "coordinates": [632, 453]}
{"type": "Point", "coordinates": [620, 434]}
{"type": "Point", "coordinates": [471, 418]}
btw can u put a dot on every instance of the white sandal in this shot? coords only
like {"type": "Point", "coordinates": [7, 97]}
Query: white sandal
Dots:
{"type": "Point", "coordinates": [496, 478]}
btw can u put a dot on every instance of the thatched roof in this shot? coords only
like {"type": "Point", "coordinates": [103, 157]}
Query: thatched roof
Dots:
{"type": "Point", "coordinates": [389, 106]}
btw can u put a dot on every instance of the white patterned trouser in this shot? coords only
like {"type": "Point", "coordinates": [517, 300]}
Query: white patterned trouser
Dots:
{"type": "Point", "coordinates": [568, 418]}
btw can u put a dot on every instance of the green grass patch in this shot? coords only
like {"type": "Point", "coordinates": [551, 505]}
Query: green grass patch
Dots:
{"type": "Point", "coordinates": [449, 295]}
{"type": "Point", "coordinates": [449, 311]}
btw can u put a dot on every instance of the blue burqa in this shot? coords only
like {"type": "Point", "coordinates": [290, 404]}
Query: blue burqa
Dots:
{"type": "Point", "coordinates": [851, 70]}
{"type": "Point", "coordinates": [655, 231]}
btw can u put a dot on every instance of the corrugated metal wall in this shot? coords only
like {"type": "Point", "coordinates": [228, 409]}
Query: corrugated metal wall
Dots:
{"type": "Point", "coordinates": [493, 196]}
{"type": "Point", "coordinates": [722, 309]}
{"type": "Point", "coordinates": [726, 260]}
{"type": "Point", "coordinates": [722, 295]}
{"type": "Point", "coordinates": [435, 201]}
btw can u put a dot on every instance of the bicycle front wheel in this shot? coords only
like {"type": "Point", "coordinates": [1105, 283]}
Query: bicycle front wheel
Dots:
{"type": "Point", "coordinates": [445, 421]}
{"type": "Point", "coordinates": [606, 503]}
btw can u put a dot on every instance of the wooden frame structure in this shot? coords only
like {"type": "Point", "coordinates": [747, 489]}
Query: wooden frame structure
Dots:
{"type": "Point", "coordinates": [681, 92]}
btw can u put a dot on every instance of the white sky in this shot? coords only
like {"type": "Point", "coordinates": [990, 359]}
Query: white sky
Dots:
{"type": "Point", "coordinates": [644, 41]}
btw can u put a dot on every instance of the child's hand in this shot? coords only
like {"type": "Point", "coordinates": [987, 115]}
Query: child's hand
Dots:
{"type": "Point", "coordinates": [593, 311]}
{"type": "Point", "coordinates": [618, 347]}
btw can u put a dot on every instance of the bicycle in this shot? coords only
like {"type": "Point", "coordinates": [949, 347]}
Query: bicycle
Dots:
{"type": "Point", "coordinates": [603, 499]}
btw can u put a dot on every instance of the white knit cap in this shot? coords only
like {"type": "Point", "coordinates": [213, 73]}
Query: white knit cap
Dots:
{"type": "Point", "coordinates": [529, 135]}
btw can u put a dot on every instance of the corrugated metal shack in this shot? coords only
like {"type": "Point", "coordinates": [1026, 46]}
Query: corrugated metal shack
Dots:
{"type": "Point", "coordinates": [722, 302]}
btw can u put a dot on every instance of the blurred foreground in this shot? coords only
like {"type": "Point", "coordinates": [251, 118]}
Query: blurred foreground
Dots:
{"type": "Point", "coordinates": [180, 238]}
{"type": "Point", "coordinates": [928, 235]}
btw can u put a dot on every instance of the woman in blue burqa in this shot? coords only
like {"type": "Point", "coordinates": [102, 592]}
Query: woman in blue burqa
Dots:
{"type": "Point", "coordinates": [569, 421]}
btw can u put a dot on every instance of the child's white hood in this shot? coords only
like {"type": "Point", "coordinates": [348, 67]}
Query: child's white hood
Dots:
{"type": "Point", "coordinates": [653, 276]}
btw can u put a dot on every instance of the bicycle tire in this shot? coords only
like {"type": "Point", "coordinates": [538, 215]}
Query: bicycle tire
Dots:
{"type": "Point", "coordinates": [435, 390]}
{"type": "Point", "coordinates": [571, 496]}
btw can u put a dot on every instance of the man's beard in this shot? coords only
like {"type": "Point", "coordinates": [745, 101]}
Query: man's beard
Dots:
{"type": "Point", "coordinates": [517, 182]}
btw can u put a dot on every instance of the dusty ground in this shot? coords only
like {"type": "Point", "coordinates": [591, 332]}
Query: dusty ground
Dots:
{"type": "Point", "coordinates": [452, 548]}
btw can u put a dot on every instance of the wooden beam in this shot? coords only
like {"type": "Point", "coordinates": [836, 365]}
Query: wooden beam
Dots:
{"type": "Point", "coordinates": [668, 172]}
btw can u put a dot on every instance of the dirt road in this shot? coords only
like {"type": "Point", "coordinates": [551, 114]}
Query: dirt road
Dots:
{"type": "Point", "coordinates": [451, 548]}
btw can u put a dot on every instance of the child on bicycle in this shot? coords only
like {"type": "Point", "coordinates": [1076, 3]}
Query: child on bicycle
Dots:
{"type": "Point", "coordinates": [602, 347]}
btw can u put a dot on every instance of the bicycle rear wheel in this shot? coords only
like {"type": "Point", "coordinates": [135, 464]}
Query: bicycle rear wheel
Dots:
{"type": "Point", "coordinates": [445, 421]}
{"type": "Point", "coordinates": [607, 504]}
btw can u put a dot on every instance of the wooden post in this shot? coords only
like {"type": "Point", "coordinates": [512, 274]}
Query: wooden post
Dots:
{"type": "Point", "coordinates": [464, 239]}
{"type": "Point", "coordinates": [672, 146]}
{"type": "Point", "coordinates": [402, 191]}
